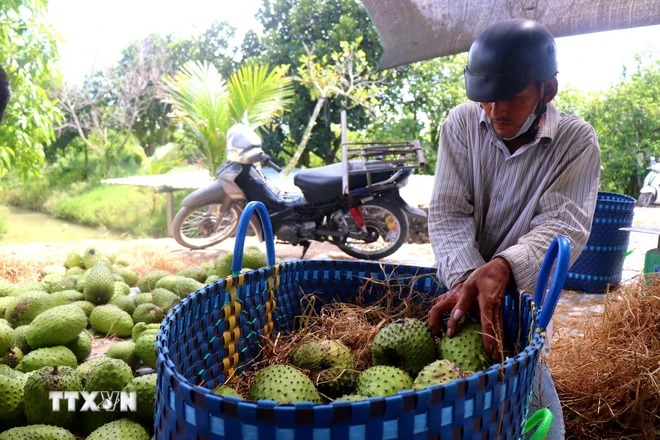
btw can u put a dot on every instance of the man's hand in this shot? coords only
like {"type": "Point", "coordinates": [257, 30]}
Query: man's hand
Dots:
{"type": "Point", "coordinates": [482, 294]}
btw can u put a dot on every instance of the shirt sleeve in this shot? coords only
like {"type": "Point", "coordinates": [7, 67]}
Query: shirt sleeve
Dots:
{"type": "Point", "coordinates": [566, 208]}
{"type": "Point", "coordinates": [451, 225]}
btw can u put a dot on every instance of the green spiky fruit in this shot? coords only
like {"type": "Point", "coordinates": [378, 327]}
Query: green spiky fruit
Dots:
{"type": "Point", "coordinates": [145, 348]}
{"type": "Point", "coordinates": [6, 337]}
{"type": "Point", "coordinates": [11, 404]}
{"type": "Point", "coordinates": [254, 258]}
{"type": "Point", "coordinates": [145, 390]}
{"type": "Point", "coordinates": [20, 340]}
{"type": "Point", "coordinates": [86, 306]}
{"type": "Point", "coordinates": [331, 365]}
{"type": "Point", "coordinates": [223, 264]}
{"type": "Point", "coordinates": [99, 284]}
{"type": "Point", "coordinates": [148, 313]}
{"type": "Point", "coordinates": [121, 288]}
{"type": "Point", "coordinates": [6, 288]}
{"type": "Point", "coordinates": [466, 348]}
{"type": "Point", "coordinates": [224, 390]}
{"type": "Point", "coordinates": [382, 380]}
{"type": "Point", "coordinates": [283, 384]}
{"type": "Point", "coordinates": [437, 373]}
{"type": "Point", "coordinates": [164, 298]}
{"type": "Point", "coordinates": [57, 326]}
{"type": "Point", "coordinates": [6, 370]}
{"type": "Point", "coordinates": [122, 429]}
{"type": "Point", "coordinates": [23, 309]}
{"type": "Point", "coordinates": [111, 320]}
{"type": "Point", "coordinates": [37, 432]}
{"type": "Point", "coordinates": [141, 327]}
{"type": "Point", "coordinates": [38, 405]}
{"type": "Point", "coordinates": [129, 276]}
{"type": "Point", "coordinates": [85, 369]}
{"type": "Point", "coordinates": [57, 283]}
{"type": "Point", "coordinates": [407, 344]}
{"type": "Point", "coordinates": [12, 357]}
{"type": "Point", "coordinates": [351, 398]}
{"type": "Point", "coordinates": [143, 298]}
{"type": "Point", "coordinates": [81, 346]}
{"type": "Point", "coordinates": [124, 302]}
{"type": "Point", "coordinates": [124, 350]}
{"type": "Point", "coordinates": [74, 259]}
{"type": "Point", "coordinates": [198, 273]}
{"type": "Point", "coordinates": [92, 256]}
{"type": "Point", "coordinates": [64, 297]}
{"type": "Point", "coordinates": [148, 282]}
{"type": "Point", "coordinates": [48, 356]}
{"type": "Point", "coordinates": [50, 269]}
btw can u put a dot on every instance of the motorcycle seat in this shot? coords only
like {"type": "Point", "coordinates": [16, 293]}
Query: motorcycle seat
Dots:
{"type": "Point", "coordinates": [324, 184]}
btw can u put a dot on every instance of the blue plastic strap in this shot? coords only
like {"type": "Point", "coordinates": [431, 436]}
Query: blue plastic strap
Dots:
{"type": "Point", "coordinates": [560, 249]}
{"type": "Point", "coordinates": [243, 223]}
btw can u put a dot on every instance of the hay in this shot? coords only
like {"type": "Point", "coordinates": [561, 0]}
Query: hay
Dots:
{"type": "Point", "coordinates": [608, 379]}
{"type": "Point", "coordinates": [355, 324]}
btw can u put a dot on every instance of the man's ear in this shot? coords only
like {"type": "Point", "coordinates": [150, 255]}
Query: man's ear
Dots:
{"type": "Point", "coordinates": [551, 88]}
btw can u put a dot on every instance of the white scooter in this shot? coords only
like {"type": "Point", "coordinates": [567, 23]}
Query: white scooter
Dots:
{"type": "Point", "coordinates": [650, 192]}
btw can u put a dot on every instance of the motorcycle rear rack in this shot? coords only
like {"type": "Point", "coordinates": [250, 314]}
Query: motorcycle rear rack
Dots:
{"type": "Point", "coordinates": [373, 157]}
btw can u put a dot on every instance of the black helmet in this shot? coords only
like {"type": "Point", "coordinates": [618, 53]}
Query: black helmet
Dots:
{"type": "Point", "coordinates": [506, 57]}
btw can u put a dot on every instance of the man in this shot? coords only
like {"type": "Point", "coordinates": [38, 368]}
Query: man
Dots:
{"type": "Point", "coordinates": [4, 92]}
{"type": "Point", "coordinates": [512, 174]}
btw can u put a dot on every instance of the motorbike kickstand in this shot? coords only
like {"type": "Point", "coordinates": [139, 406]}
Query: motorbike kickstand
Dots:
{"type": "Point", "coordinates": [305, 244]}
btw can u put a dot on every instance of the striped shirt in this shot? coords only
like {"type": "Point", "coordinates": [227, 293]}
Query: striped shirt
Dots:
{"type": "Point", "coordinates": [487, 202]}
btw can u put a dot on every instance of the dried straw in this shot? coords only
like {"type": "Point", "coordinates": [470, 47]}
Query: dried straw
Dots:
{"type": "Point", "coordinates": [608, 378]}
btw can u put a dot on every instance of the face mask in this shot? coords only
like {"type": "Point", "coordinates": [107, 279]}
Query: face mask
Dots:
{"type": "Point", "coordinates": [530, 119]}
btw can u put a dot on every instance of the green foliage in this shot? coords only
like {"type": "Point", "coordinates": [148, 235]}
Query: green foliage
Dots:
{"type": "Point", "coordinates": [27, 52]}
{"type": "Point", "coordinates": [207, 105]}
{"type": "Point", "coordinates": [627, 122]}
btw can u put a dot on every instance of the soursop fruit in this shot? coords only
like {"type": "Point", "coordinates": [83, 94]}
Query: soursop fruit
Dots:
{"type": "Point", "coordinates": [111, 320]}
{"type": "Point", "coordinates": [11, 403]}
{"type": "Point", "coordinates": [122, 429]}
{"type": "Point", "coordinates": [197, 272]}
{"type": "Point", "coordinates": [52, 269]}
{"type": "Point", "coordinates": [141, 327]}
{"type": "Point", "coordinates": [437, 373]}
{"type": "Point", "coordinates": [57, 326]}
{"type": "Point", "coordinates": [124, 350]}
{"type": "Point", "coordinates": [148, 282]}
{"type": "Point", "coordinates": [48, 356]}
{"type": "Point", "coordinates": [85, 369]}
{"type": "Point", "coordinates": [99, 284]}
{"type": "Point", "coordinates": [23, 309]}
{"type": "Point", "coordinates": [382, 380]}
{"type": "Point", "coordinates": [20, 340]}
{"type": "Point", "coordinates": [74, 259]}
{"type": "Point", "coordinates": [351, 398]}
{"type": "Point", "coordinates": [11, 357]}
{"type": "Point", "coordinates": [6, 337]}
{"type": "Point", "coordinates": [283, 384]}
{"type": "Point", "coordinates": [81, 346]}
{"type": "Point", "coordinates": [143, 298]}
{"type": "Point", "coordinates": [86, 306]}
{"type": "Point", "coordinates": [38, 406]}
{"type": "Point", "coordinates": [407, 344]}
{"type": "Point", "coordinates": [37, 432]}
{"type": "Point", "coordinates": [92, 256]}
{"type": "Point", "coordinates": [466, 348]}
{"type": "Point", "coordinates": [224, 390]}
{"type": "Point", "coordinates": [145, 348]}
{"type": "Point", "coordinates": [164, 299]}
{"type": "Point", "coordinates": [149, 313]}
{"type": "Point", "coordinates": [124, 302]}
{"type": "Point", "coordinates": [223, 264]}
{"type": "Point", "coordinates": [121, 288]}
{"type": "Point", "coordinates": [64, 297]}
{"type": "Point", "coordinates": [129, 276]}
{"type": "Point", "coordinates": [331, 365]}
{"type": "Point", "coordinates": [145, 391]}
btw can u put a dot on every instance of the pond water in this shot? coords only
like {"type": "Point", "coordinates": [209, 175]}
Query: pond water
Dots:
{"type": "Point", "coordinates": [25, 226]}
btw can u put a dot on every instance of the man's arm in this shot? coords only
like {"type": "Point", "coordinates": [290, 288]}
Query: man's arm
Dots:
{"type": "Point", "coordinates": [565, 208]}
{"type": "Point", "coordinates": [451, 224]}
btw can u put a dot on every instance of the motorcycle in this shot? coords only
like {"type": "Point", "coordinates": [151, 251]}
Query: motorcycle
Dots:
{"type": "Point", "coordinates": [650, 192]}
{"type": "Point", "coordinates": [354, 204]}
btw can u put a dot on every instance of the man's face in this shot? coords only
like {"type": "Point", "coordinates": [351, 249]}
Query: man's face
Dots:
{"type": "Point", "coordinates": [507, 116]}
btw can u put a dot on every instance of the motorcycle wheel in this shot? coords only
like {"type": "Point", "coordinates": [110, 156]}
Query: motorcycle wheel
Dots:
{"type": "Point", "coordinates": [645, 199]}
{"type": "Point", "coordinates": [387, 226]}
{"type": "Point", "coordinates": [199, 227]}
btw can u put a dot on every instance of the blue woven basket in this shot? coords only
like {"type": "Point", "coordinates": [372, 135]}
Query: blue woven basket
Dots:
{"type": "Point", "coordinates": [216, 331]}
{"type": "Point", "coordinates": [601, 261]}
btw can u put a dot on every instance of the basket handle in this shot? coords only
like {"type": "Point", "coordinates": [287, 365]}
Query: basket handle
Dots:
{"type": "Point", "coordinates": [560, 250]}
{"type": "Point", "coordinates": [243, 223]}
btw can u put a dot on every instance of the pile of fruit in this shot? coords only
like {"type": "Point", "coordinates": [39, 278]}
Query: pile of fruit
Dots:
{"type": "Point", "coordinates": [404, 356]}
{"type": "Point", "coordinates": [48, 330]}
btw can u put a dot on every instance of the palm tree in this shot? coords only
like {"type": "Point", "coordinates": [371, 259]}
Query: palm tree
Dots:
{"type": "Point", "coordinates": [208, 105]}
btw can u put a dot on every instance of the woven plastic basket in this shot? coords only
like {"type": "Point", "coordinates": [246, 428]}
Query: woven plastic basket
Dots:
{"type": "Point", "coordinates": [216, 331]}
{"type": "Point", "coordinates": [601, 262]}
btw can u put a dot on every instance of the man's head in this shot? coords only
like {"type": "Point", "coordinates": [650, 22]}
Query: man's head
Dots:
{"type": "Point", "coordinates": [511, 71]}
{"type": "Point", "coordinates": [4, 92]}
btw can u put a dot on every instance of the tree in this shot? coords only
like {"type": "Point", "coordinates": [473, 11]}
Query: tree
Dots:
{"type": "Point", "coordinates": [289, 26]}
{"type": "Point", "coordinates": [28, 51]}
{"type": "Point", "coordinates": [207, 104]}
{"type": "Point", "coordinates": [345, 75]}
{"type": "Point", "coordinates": [627, 123]}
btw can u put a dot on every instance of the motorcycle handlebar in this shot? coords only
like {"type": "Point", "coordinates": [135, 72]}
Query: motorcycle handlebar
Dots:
{"type": "Point", "coordinates": [266, 160]}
